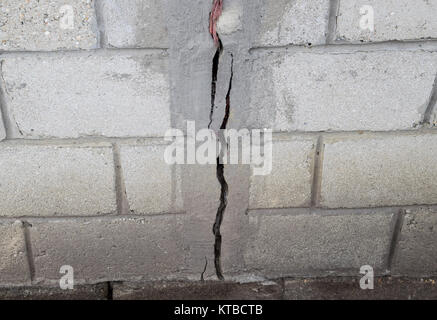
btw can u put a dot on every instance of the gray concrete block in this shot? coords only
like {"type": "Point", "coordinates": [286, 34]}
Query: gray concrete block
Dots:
{"type": "Point", "coordinates": [41, 180]}
{"type": "Point", "coordinates": [378, 91]}
{"type": "Point", "coordinates": [283, 22]}
{"type": "Point", "coordinates": [43, 25]}
{"type": "Point", "coordinates": [417, 247]}
{"type": "Point", "coordinates": [152, 185]}
{"type": "Point", "coordinates": [208, 290]}
{"type": "Point", "coordinates": [393, 20]}
{"type": "Point", "coordinates": [134, 23]}
{"type": "Point", "coordinates": [317, 244]}
{"type": "Point", "coordinates": [88, 95]}
{"type": "Point", "coordinates": [14, 267]}
{"type": "Point", "coordinates": [104, 249]}
{"type": "Point", "coordinates": [386, 288]}
{"type": "Point", "coordinates": [386, 170]}
{"type": "Point", "coordinates": [289, 183]}
{"type": "Point", "coordinates": [87, 292]}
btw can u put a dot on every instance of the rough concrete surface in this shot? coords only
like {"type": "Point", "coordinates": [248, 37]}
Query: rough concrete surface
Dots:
{"type": "Point", "coordinates": [377, 91]}
{"type": "Point", "coordinates": [88, 95]}
{"type": "Point", "coordinates": [301, 244]}
{"type": "Point", "coordinates": [103, 249]}
{"type": "Point", "coordinates": [332, 288]}
{"type": "Point", "coordinates": [43, 25]}
{"type": "Point", "coordinates": [14, 268]}
{"type": "Point", "coordinates": [208, 290]}
{"type": "Point", "coordinates": [134, 23]}
{"type": "Point", "coordinates": [152, 185]}
{"type": "Point", "coordinates": [393, 20]}
{"type": "Point", "coordinates": [417, 247]}
{"type": "Point", "coordinates": [372, 171]}
{"type": "Point", "coordinates": [84, 111]}
{"type": "Point", "coordinates": [289, 183]}
{"type": "Point", "coordinates": [88, 292]}
{"type": "Point", "coordinates": [283, 22]}
{"type": "Point", "coordinates": [56, 180]}
{"type": "Point", "coordinates": [386, 288]}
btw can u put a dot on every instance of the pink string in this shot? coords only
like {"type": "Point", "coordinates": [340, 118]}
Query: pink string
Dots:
{"type": "Point", "coordinates": [215, 14]}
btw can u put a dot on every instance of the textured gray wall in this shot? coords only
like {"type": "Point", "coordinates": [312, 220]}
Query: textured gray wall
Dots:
{"type": "Point", "coordinates": [82, 176]}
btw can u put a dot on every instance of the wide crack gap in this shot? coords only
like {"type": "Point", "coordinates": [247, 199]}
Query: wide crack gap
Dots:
{"type": "Point", "coordinates": [213, 18]}
{"type": "Point", "coordinates": [223, 186]}
{"type": "Point", "coordinates": [215, 67]}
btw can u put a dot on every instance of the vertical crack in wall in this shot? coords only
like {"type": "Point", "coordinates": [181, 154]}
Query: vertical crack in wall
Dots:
{"type": "Point", "coordinates": [213, 17]}
{"type": "Point", "coordinates": [223, 186]}
{"type": "Point", "coordinates": [334, 7]}
{"type": "Point", "coordinates": [432, 102]}
{"type": "Point", "coordinates": [29, 252]}
{"type": "Point", "coordinates": [215, 66]}
{"type": "Point", "coordinates": [398, 221]}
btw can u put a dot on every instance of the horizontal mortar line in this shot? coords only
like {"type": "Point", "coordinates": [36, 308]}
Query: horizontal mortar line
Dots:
{"type": "Point", "coordinates": [334, 211]}
{"type": "Point", "coordinates": [92, 217]}
{"type": "Point", "coordinates": [345, 47]}
{"type": "Point", "coordinates": [107, 141]}
{"type": "Point", "coordinates": [84, 52]}
{"type": "Point", "coordinates": [357, 133]}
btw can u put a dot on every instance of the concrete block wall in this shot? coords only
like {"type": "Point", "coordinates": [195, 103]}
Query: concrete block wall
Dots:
{"type": "Point", "coordinates": [85, 106]}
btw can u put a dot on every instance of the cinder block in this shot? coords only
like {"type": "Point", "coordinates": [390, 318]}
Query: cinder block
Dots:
{"type": "Point", "coordinates": [417, 246]}
{"type": "Point", "coordinates": [41, 180]}
{"type": "Point", "coordinates": [43, 25]}
{"type": "Point", "coordinates": [14, 268]}
{"type": "Point", "coordinates": [384, 170]}
{"type": "Point", "coordinates": [88, 95]}
{"type": "Point", "coordinates": [283, 22]}
{"type": "Point", "coordinates": [393, 20]}
{"type": "Point", "coordinates": [317, 244]}
{"type": "Point", "coordinates": [289, 183]}
{"type": "Point", "coordinates": [134, 23]}
{"type": "Point", "coordinates": [152, 185]}
{"type": "Point", "coordinates": [378, 91]}
{"type": "Point", "coordinates": [104, 249]}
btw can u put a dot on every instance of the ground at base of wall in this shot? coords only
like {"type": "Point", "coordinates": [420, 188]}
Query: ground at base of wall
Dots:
{"type": "Point", "coordinates": [331, 288]}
